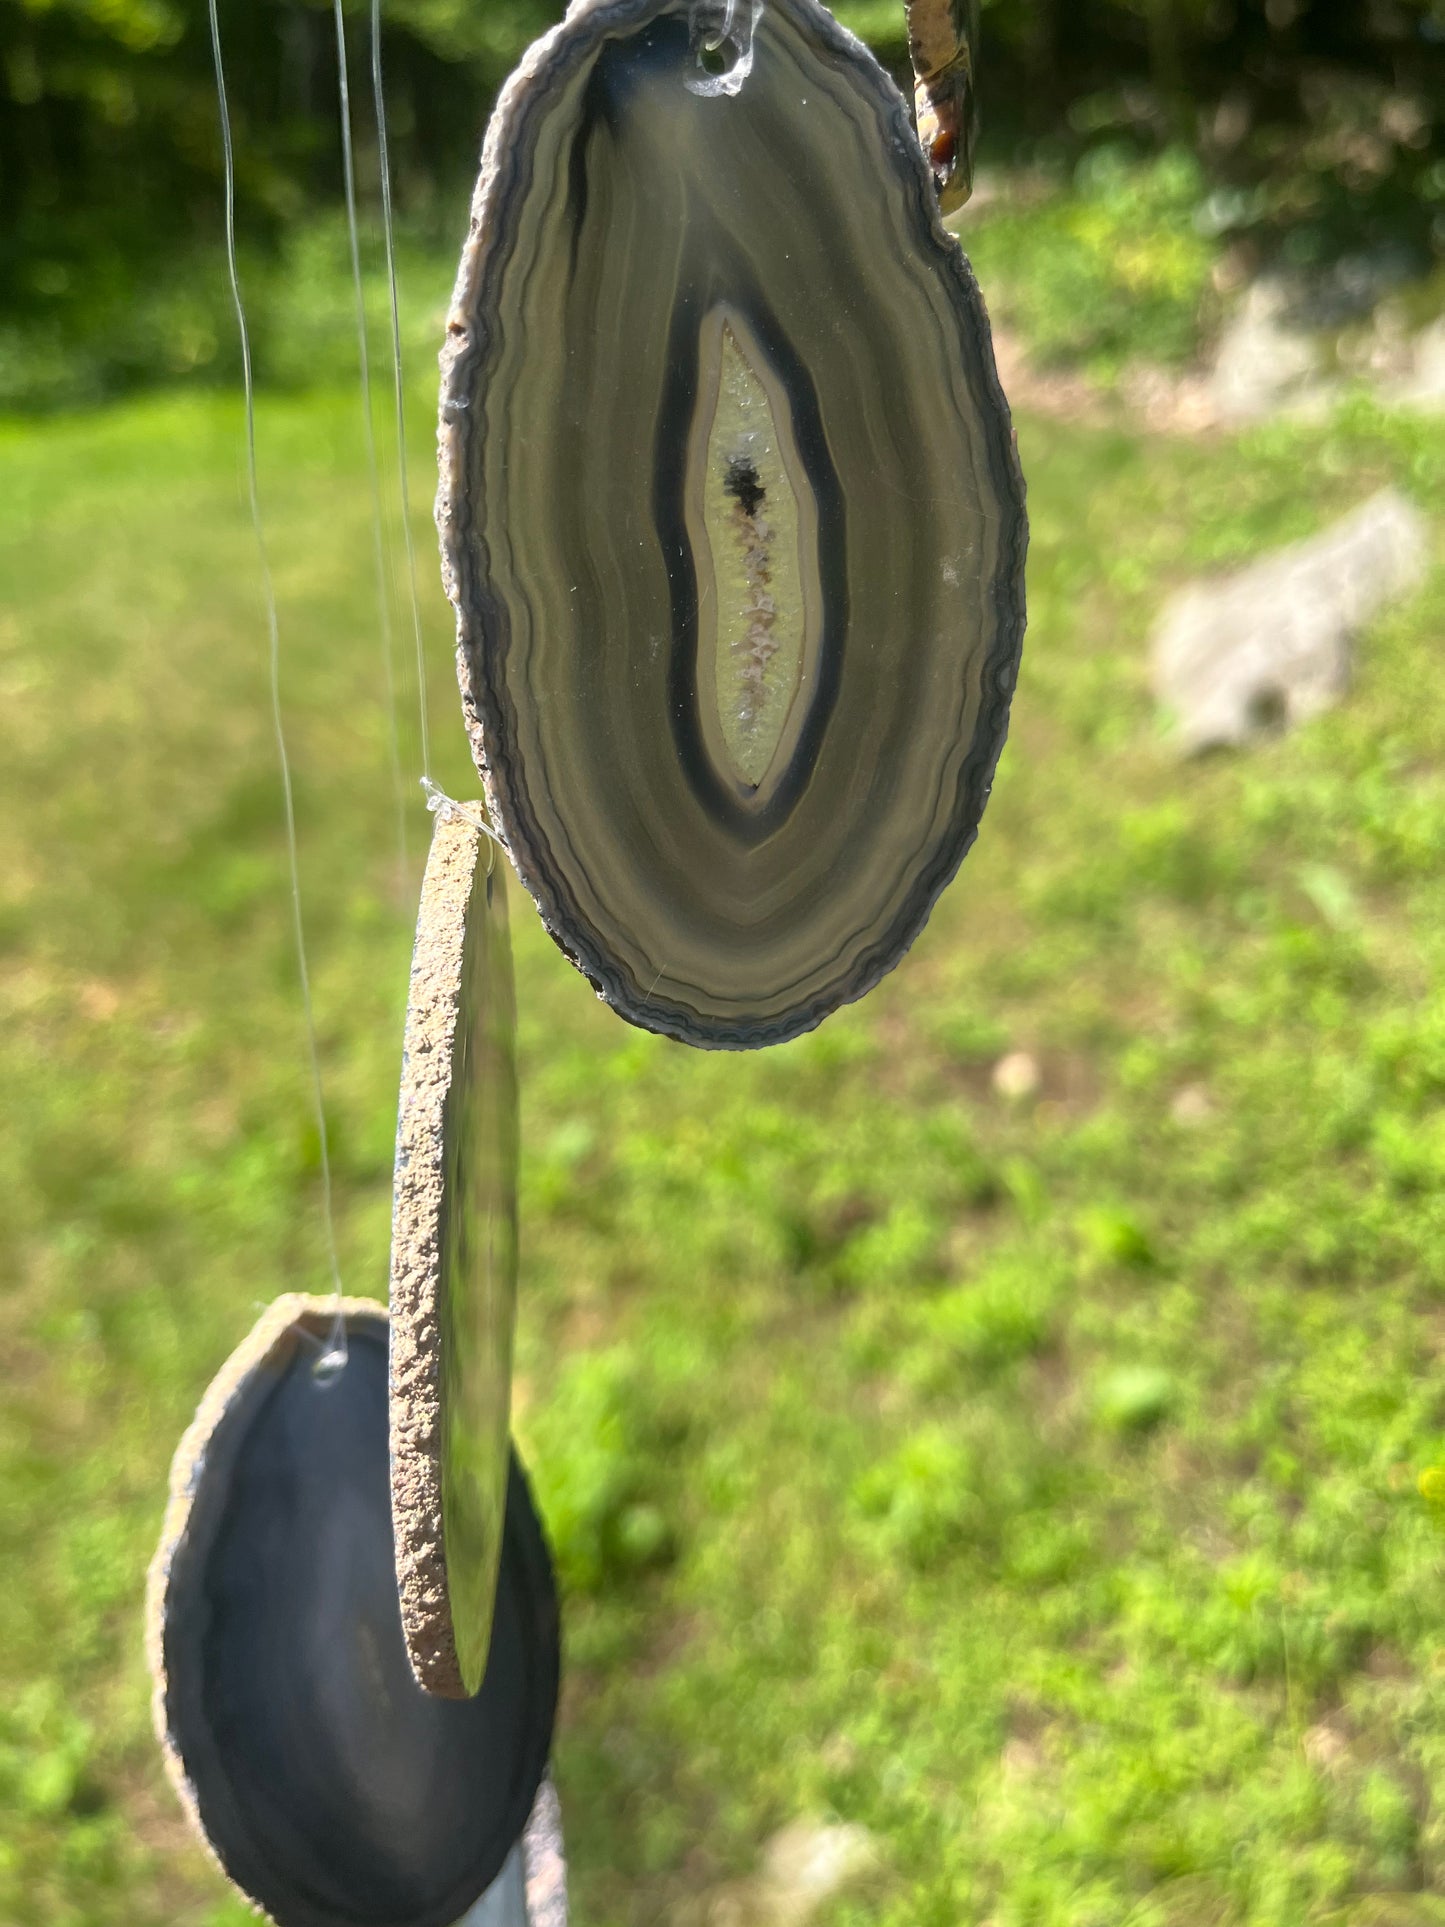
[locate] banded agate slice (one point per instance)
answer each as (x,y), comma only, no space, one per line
(730,513)
(333,1791)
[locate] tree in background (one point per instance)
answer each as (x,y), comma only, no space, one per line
(1318,123)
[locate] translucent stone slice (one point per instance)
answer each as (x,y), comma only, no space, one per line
(331,1789)
(730,512)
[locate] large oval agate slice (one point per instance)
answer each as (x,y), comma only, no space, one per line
(730,513)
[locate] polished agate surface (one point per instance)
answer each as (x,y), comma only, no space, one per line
(332,1789)
(730,513)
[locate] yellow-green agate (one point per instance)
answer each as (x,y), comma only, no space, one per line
(730,512)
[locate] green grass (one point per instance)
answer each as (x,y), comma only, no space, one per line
(1053,1486)
(1108,268)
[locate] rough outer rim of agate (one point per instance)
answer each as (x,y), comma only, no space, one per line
(490,719)
(263,1341)
(414,1363)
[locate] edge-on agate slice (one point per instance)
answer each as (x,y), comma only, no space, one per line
(531,1890)
(331,1789)
(730,512)
(454,1260)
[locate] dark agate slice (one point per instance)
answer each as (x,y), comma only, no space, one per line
(454,1260)
(331,1788)
(730,512)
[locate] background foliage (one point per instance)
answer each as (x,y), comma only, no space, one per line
(1315,126)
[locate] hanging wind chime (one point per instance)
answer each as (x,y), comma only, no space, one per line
(733,524)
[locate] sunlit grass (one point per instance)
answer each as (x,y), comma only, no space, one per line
(1049,1485)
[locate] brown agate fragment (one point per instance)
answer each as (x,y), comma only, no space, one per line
(943,46)
(730,512)
(454,1260)
(329,1787)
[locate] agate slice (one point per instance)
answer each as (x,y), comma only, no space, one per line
(454,1260)
(331,1789)
(531,1890)
(730,512)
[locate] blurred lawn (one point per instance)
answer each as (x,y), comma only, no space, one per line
(1056,1488)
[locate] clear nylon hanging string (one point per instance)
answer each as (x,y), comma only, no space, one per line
(335,1355)
(378,539)
(714,42)
(398,384)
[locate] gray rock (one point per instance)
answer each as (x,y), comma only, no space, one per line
(1269,646)
(1351,287)
(806,1864)
(803,1867)
(1016,1076)
(1265,360)
(1423,387)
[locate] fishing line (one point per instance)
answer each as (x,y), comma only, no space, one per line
(388,227)
(335,1355)
(447,809)
(378,540)
(714,43)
